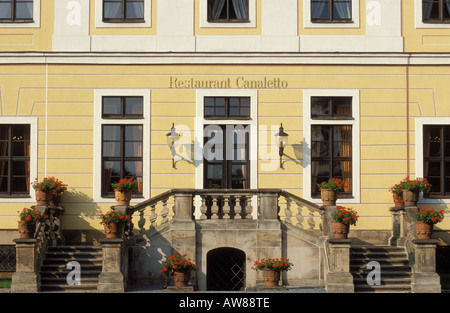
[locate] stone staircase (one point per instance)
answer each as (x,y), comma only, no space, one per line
(54,268)
(395,270)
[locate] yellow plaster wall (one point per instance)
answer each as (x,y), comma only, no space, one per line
(70,125)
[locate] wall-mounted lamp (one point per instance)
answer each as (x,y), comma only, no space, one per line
(172,137)
(282,142)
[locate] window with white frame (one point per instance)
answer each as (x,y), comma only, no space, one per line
(328,13)
(121,135)
(227,13)
(18,157)
(20,13)
(123,13)
(331,137)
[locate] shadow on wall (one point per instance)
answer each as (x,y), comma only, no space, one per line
(80,213)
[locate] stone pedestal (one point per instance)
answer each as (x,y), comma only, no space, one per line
(26,278)
(111,278)
(425,279)
(339,279)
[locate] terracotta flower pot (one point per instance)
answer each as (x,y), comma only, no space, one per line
(181,279)
(42,197)
(26,230)
(328,196)
(271,277)
(123,197)
(398,202)
(113,230)
(340,230)
(410,197)
(424,230)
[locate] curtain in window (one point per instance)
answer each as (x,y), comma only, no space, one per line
(240,8)
(27,141)
(112,9)
(217,8)
(426,10)
(341,10)
(319,10)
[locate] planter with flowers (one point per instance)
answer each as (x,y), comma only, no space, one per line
(397,195)
(124,190)
(49,191)
(342,218)
(178,267)
(329,190)
(411,189)
(272,269)
(113,223)
(28,219)
(425,218)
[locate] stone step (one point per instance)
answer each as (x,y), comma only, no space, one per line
(54,270)
(383,288)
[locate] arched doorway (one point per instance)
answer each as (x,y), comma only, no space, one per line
(225,269)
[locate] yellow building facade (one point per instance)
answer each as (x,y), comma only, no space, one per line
(290,62)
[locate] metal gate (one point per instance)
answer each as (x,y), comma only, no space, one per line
(225,269)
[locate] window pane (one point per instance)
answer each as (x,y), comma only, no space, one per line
(24,10)
(112,9)
(3,176)
(320,107)
(215,171)
(112,105)
(320,10)
(111,169)
(19,184)
(342,106)
(111,132)
(133,149)
(135,9)
(5,9)
(133,168)
(320,149)
(238,171)
(134,106)
(133,133)
(20,168)
(111,149)
(341,10)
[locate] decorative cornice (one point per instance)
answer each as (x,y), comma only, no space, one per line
(243,58)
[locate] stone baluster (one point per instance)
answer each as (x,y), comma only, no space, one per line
(299,215)
(214,208)
(164,212)
(153,215)
(311,221)
(248,207)
(203,208)
(226,207)
(288,212)
(141,222)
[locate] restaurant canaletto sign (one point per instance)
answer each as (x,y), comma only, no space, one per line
(239,82)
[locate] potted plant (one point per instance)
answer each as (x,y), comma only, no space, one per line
(342,218)
(397,195)
(113,223)
(28,219)
(124,190)
(179,268)
(48,191)
(272,269)
(425,218)
(411,189)
(329,190)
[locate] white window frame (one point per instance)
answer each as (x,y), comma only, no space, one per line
(419,123)
(419,20)
(201,121)
(33,122)
(99,17)
(99,122)
(36,23)
(307,23)
(354,122)
(204,17)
